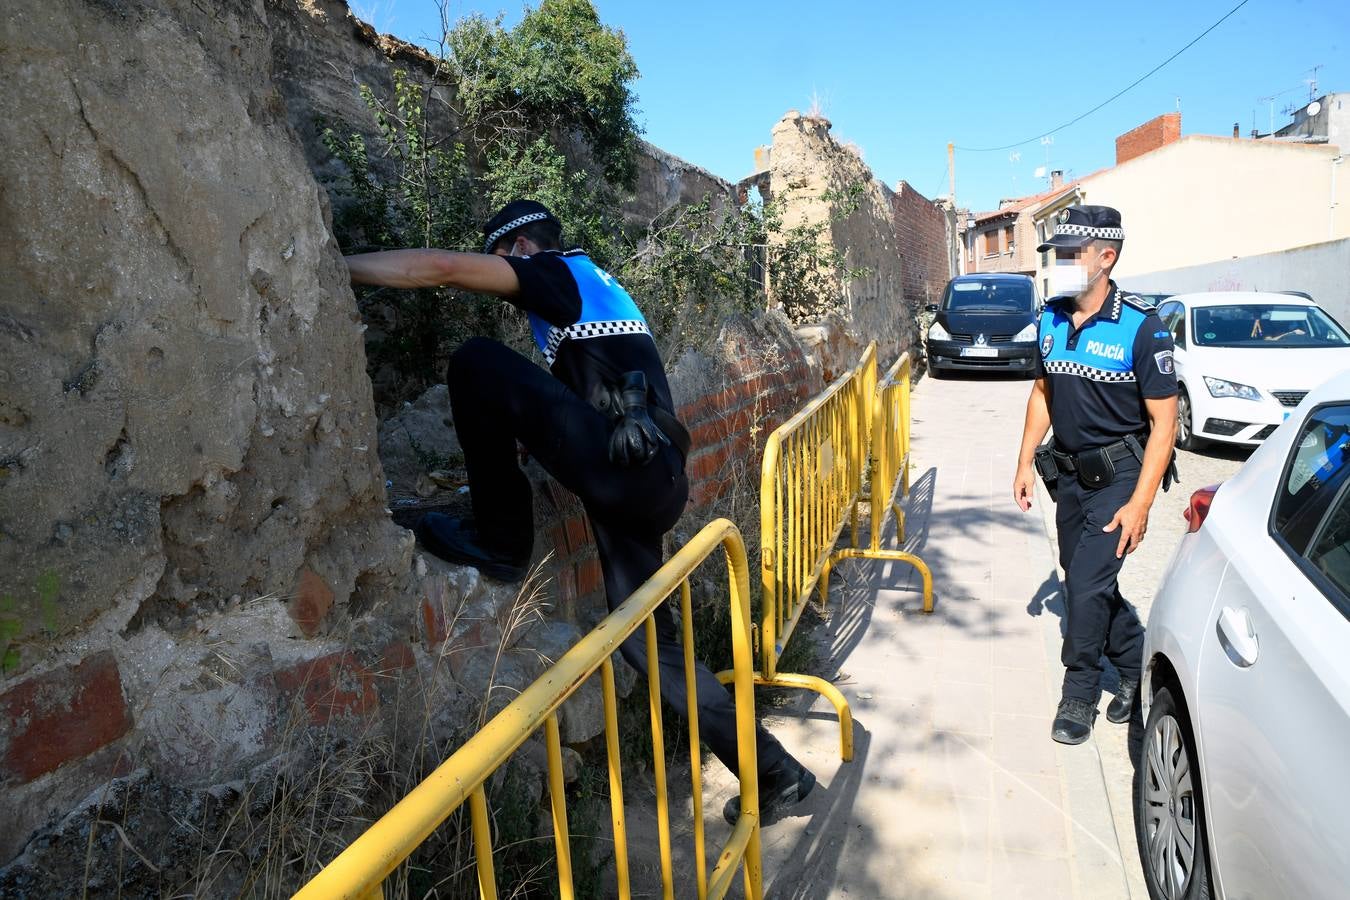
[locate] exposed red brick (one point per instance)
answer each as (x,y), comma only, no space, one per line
(578,533)
(557,538)
(61,716)
(921,240)
(590,577)
(398,655)
(1155,133)
(708,462)
(313,600)
(329,687)
(567,585)
(434,606)
(706,492)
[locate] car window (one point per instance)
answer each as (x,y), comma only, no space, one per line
(1317,470)
(1330,549)
(1003,296)
(1268,326)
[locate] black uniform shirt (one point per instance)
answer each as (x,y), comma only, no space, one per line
(549,290)
(1099,374)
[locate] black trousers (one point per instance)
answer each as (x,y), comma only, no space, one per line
(499,397)
(1099,621)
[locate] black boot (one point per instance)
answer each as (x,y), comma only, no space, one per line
(778,790)
(1073,721)
(1122,705)
(457,541)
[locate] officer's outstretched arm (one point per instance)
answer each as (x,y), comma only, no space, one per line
(479,272)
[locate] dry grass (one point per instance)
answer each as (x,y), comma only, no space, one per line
(267,835)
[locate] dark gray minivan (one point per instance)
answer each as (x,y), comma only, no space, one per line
(984,323)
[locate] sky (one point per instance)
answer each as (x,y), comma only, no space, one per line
(901,79)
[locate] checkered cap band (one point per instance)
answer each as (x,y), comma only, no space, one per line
(584,330)
(1103,234)
(511,226)
(1064,367)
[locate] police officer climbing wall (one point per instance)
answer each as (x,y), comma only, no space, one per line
(1105,384)
(600,420)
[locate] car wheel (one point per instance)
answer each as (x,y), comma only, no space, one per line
(1186,438)
(1169,808)
(936,373)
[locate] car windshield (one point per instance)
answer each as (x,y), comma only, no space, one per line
(1266,325)
(992,296)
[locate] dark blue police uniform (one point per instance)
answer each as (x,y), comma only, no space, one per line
(1098,376)
(592,337)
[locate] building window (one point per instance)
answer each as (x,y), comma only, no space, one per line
(991,242)
(1009,241)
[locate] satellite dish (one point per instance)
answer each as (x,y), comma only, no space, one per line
(1314,108)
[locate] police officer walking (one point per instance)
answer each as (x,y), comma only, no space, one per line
(600,420)
(1106,384)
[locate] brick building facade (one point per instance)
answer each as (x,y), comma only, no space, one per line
(924,233)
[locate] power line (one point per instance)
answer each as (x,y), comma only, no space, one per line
(1114,96)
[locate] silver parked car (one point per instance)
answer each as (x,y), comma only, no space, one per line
(1243,787)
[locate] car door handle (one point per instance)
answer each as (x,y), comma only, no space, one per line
(1237,635)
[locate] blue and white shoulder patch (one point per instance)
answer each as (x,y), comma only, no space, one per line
(1142,304)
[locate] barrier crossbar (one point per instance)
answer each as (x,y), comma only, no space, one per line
(359,871)
(890,471)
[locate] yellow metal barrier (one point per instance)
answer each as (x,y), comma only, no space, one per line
(811,484)
(359,871)
(890,469)
(810,481)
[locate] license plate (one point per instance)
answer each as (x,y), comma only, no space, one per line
(988,352)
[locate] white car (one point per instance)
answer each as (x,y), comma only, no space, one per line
(1245,359)
(1243,784)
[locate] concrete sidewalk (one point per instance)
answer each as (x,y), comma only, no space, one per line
(956,789)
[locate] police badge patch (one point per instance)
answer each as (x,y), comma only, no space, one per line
(1164,361)
(1047,342)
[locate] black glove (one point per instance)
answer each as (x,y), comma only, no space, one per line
(636,439)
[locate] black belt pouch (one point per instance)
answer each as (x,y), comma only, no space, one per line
(1095,468)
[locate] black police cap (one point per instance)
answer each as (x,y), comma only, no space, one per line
(514,215)
(1077,225)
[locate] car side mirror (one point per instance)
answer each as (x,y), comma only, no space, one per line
(931,307)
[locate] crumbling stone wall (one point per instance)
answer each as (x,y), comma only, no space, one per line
(202,593)
(806,166)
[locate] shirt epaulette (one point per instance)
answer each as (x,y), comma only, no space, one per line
(1143,304)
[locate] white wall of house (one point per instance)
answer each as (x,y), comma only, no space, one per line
(1322,270)
(1205,199)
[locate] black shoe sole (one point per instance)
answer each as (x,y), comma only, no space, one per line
(769,813)
(497,570)
(1065,739)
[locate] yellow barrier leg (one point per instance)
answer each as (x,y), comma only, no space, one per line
(659,761)
(825,582)
(482,844)
(695,758)
(820,686)
(615,779)
(897,556)
(558,804)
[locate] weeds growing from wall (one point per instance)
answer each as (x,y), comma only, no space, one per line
(545,110)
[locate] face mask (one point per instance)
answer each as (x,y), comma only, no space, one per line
(1068,280)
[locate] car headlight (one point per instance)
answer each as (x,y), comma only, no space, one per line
(937,333)
(1026,335)
(1220,388)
